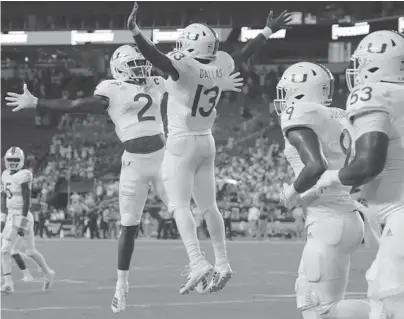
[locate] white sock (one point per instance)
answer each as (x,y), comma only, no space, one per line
(123,278)
(215,224)
(39,259)
(187,229)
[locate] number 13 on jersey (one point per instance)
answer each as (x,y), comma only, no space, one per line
(212,94)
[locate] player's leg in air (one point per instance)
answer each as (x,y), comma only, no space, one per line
(386,276)
(35,255)
(324,269)
(204,194)
(181,159)
(137,172)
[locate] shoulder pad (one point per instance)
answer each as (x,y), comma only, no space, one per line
(25,176)
(367,98)
(180,61)
(157,82)
(302,114)
(225,61)
(104,88)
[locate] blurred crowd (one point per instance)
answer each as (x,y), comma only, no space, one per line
(84,151)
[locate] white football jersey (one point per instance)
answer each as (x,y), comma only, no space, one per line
(192,101)
(386,191)
(11,185)
(134,109)
(335,136)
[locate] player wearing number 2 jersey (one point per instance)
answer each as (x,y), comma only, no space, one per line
(198,74)
(132,100)
(375,109)
(316,138)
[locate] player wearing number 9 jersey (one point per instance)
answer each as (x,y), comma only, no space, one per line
(198,74)
(375,109)
(132,100)
(318,137)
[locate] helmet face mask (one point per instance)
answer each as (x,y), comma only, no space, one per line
(198,41)
(14,158)
(379,57)
(128,64)
(305,82)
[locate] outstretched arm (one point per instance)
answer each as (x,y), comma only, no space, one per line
(95,104)
(148,49)
(271,26)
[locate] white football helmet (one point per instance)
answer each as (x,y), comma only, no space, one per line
(378,57)
(14,158)
(198,41)
(304,82)
(127,63)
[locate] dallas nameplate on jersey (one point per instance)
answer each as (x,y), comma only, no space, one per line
(134,109)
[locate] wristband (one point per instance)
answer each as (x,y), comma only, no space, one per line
(24,223)
(135,31)
(266,32)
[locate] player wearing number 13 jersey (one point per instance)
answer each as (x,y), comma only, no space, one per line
(198,73)
(375,108)
(317,137)
(132,100)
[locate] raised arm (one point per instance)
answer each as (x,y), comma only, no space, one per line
(148,49)
(271,26)
(96,104)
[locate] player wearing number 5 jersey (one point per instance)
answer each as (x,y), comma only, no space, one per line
(19,222)
(132,100)
(375,109)
(318,137)
(198,73)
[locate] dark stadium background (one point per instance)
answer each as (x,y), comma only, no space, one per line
(80,154)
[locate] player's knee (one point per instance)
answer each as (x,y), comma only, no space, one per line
(31,252)
(128,219)
(14,252)
(213,209)
(5,250)
(306,298)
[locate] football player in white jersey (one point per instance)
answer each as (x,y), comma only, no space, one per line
(316,138)
(375,109)
(19,226)
(132,100)
(198,73)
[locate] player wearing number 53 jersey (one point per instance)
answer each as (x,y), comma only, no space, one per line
(132,100)
(318,137)
(198,74)
(375,108)
(19,222)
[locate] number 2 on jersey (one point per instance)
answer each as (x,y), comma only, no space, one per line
(212,101)
(141,115)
